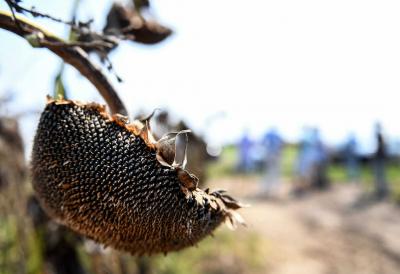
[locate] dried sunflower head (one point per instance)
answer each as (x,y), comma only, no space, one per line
(107,179)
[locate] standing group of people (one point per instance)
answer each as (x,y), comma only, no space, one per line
(312,161)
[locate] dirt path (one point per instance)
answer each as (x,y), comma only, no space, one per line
(335,231)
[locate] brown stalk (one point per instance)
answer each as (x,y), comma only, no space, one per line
(70,53)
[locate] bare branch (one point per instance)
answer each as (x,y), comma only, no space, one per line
(15,6)
(70,53)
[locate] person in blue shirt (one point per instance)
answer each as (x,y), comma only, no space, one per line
(245,145)
(351,160)
(273,144)
(311,162)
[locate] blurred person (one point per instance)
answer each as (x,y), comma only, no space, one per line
(320,162)
(257,156)
(245,146)
(351,159)
(379,162)
(311,163)
(303,162)
(273,144)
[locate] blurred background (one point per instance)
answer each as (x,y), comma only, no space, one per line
(294,110)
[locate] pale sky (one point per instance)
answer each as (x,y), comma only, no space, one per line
(286,63)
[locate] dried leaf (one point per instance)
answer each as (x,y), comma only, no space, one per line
(187,179)
(128,21)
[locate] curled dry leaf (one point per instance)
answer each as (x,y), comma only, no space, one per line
(128,22)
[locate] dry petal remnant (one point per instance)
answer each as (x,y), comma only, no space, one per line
(104,178)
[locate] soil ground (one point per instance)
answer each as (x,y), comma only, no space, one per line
(339,230)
